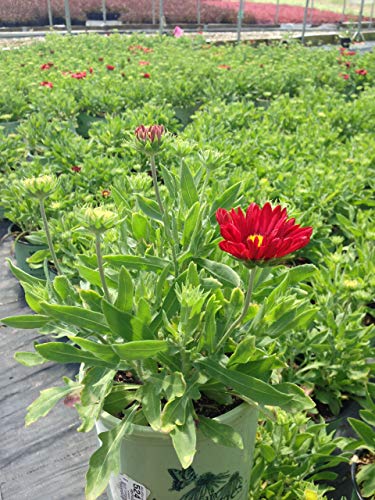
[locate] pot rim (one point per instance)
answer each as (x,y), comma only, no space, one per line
(353,472)
(147,431)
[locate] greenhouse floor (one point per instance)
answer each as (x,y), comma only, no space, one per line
(47,461)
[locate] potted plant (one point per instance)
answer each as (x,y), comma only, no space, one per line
(170,375)
(363,462)
(345,38)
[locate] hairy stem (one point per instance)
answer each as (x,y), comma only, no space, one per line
(246,305)
(100,266)
(48,235)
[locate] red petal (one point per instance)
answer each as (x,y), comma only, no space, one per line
(231,233)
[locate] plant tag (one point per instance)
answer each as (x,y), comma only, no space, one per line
(131,490)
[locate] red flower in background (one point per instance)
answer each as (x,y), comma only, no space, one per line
(144,63)
(110,67)
(345,76)
(146,75)
(150,133)
(47,84)
(75,168)
(80,75)
(46,66)
(362,72)
(261,234)
(224,66)
(91,71)
(106,193)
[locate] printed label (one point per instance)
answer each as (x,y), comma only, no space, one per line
(131,490)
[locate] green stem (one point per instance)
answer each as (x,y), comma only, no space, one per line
(246,305)
(155,182)
(48,235)
(163,212)
(101,267)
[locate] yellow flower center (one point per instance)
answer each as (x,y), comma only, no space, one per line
(253,236)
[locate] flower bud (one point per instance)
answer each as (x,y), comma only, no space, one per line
(41,186)
(149,138)
(98,219)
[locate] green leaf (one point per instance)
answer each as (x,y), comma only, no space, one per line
(245,385)
(227,199)
(184,439)
(149,397)
(65,289)
(120,397)
(243,352)
(24,277)
(368,416)
(267,452)
(140,349)
(46,401)
(190,223)
(77,316)
(101,351)
(146,263)
(140,226)
(364,431)
(124,301)
(188,188)
(26,321)
(119,321)
(97,383)
(65,353)
(174,413)
(222,272)
(300,400)
(208,335)
(149,207)
(366,478)
(220,433)
(93,277)
(169,181)
(29,358)
(106,460)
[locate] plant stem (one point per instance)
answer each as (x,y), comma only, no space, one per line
(100,266)
(48,235)
(163,212)
(246,305)
(155,182)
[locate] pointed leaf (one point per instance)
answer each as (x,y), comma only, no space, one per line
(45,402)
(77,316)
(106,460)
(184,440)
(146,263)
(188,188)
(26,321)
(220,433)
(140,349)
(29,358)
(65,353)
(124,301)
(222,272)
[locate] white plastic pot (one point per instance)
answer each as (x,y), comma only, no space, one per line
(150,468)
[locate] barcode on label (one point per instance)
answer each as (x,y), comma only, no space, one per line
(131,490)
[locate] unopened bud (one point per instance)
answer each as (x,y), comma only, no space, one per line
(98,219)
(41,186)
(149,138)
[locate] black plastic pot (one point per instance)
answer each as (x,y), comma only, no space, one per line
(345,41)
(353,470)
(98,16)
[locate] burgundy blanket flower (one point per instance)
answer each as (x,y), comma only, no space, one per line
(110,67)
(80,75)
(146,75)
(46,66)
(362,72)
(47,84)
(261,234)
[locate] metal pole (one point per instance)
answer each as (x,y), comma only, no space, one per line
(104,10)
(161,16)
(343,11)
(198,12)
(239,19)
(68,21)
(358,34)
(276,21)
(153,10)
(311,11)
(304,21)
(372,13)
(50,18)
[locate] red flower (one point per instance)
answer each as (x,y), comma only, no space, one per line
(47,84)
(110,67)
(46,66)
(106,193)
(144,63)
(76,168)
(150,133)
(345,76)
(146,75)
(80,75)
(224,66)
(348,64)
(362,72)
(100,59)
(91,70)
(261,234)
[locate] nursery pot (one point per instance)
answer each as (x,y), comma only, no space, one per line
(345,42)
(150,467)
(23,250)
(354,470)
